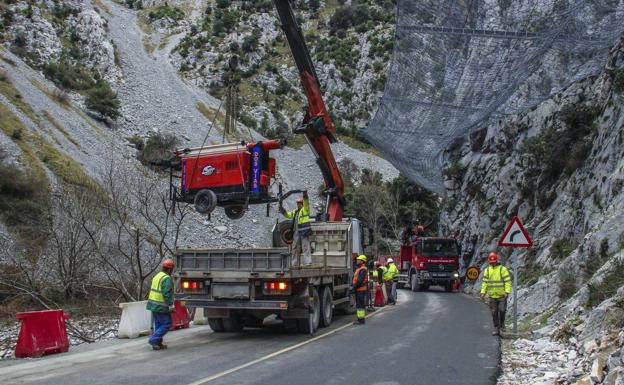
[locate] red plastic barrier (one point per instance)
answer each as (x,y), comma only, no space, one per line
(180,317)
(42,332)
(456,285)
(380,300)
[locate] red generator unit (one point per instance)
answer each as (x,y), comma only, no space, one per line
(231,175)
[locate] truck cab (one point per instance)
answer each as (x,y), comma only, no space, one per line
(429,261)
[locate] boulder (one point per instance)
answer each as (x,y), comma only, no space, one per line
(597,370)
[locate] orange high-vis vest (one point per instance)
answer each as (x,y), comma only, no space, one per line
(364,285)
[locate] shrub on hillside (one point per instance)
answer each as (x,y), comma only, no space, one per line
(607,287)
(68,75)
(157,147)
(173,13)
(23,201)
(103,100)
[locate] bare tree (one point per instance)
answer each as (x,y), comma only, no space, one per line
(142,227)
(76,222)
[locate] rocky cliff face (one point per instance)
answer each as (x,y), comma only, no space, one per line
(560,168)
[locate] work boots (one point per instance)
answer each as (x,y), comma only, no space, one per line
(496,332)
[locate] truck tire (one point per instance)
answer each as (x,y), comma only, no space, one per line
(205,201)
(291,326)
(216,324)
(327,306)
(283,235)
(414,285)
(232,324)
(448,287)
(235,212)
(304,323)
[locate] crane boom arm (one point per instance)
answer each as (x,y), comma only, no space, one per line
(317,127)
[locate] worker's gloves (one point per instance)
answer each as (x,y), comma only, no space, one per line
(282,210)
(171,308)
(482,297)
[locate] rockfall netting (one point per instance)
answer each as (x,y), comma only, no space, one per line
(459,63)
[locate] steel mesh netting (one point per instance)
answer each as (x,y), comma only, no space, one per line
(459,63)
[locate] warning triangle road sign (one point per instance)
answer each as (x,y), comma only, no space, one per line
(515,235)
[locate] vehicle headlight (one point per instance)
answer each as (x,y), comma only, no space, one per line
(455,275)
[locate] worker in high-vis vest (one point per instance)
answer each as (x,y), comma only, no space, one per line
(391,278)
(160,303)
(497,286)
(360,285)
(302,229)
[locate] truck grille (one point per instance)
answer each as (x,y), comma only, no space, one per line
(440,267)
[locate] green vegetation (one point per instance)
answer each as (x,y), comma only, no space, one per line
(69,75)
(561,248)
(173,13)
(103,100)
(455,171)
(342,48)
(558,151)
(388,207)
(608,286)
(137,141)
(157,147)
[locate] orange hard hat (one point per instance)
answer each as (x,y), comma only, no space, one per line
(300,200)
(168,263)
(492,258)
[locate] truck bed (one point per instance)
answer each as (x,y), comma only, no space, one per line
(252,263)
(331,254)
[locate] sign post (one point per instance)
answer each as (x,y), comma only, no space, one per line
(515,236)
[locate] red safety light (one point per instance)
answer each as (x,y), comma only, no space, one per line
(276,287)
(192,285)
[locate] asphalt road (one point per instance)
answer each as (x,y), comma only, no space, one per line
(428,338)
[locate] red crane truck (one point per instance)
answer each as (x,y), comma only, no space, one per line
(429,261)
(239,287)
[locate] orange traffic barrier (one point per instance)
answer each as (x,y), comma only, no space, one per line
(180,317)
(42,332)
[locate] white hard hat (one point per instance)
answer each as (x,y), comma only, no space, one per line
(390,260)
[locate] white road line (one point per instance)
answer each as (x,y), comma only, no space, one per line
(279,352)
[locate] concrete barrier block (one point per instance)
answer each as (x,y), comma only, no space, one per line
(200,317)
(135,321)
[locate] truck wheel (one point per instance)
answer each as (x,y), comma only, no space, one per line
(283,235)
(414,283)
(216,324)
(232,324)
(235,212)
(304,323)
(327,307)
(291,326)
(205,201)
(448,287)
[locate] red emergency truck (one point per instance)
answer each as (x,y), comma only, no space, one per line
(429,261)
